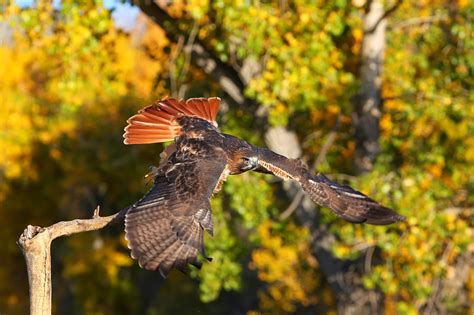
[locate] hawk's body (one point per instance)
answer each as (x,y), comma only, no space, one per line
(165,228)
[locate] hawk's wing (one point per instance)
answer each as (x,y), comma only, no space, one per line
(346,202)
(165,228)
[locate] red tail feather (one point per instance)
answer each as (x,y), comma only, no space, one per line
(157,122)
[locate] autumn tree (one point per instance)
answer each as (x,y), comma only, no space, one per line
(295,77)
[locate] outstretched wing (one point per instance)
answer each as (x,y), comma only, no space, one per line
(346,202)
(165,228)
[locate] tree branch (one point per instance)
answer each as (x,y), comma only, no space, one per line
(368,103)
(383,16)
(422,20)
(35,243)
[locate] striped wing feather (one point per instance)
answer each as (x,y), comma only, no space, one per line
(165,229)
(348,203)
(343,200)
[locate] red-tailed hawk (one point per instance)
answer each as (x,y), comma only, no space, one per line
(165,228)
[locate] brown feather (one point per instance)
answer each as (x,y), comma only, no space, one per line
(165,229)
(343,200)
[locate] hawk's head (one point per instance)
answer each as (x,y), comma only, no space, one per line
(243,160)
(248,163)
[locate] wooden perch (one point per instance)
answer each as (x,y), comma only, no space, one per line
(35,243)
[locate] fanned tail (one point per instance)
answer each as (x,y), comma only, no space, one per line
(158,122)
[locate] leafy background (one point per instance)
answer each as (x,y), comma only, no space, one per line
(73,71)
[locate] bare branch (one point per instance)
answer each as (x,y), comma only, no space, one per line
(368,102)
(188,50)
(384,16)
(35,243)
(293,205)
(437,282)
(417,21)
(172,65)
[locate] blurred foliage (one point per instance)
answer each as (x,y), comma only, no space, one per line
(72,78)
(284,261)
(426,168)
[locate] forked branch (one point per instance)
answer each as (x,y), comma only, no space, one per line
(35,243)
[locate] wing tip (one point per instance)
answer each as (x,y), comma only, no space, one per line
(350,204)
(386,219)
(400,217)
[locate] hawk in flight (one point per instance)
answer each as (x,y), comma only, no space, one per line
(165,228)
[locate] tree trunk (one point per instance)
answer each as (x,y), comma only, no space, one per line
(35,243)
(356,299)
(368,104)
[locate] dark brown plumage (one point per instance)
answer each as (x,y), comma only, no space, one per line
(165,228)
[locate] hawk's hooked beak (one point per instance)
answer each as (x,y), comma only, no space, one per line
(252,163)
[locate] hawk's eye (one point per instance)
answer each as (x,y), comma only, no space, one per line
(248,163)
